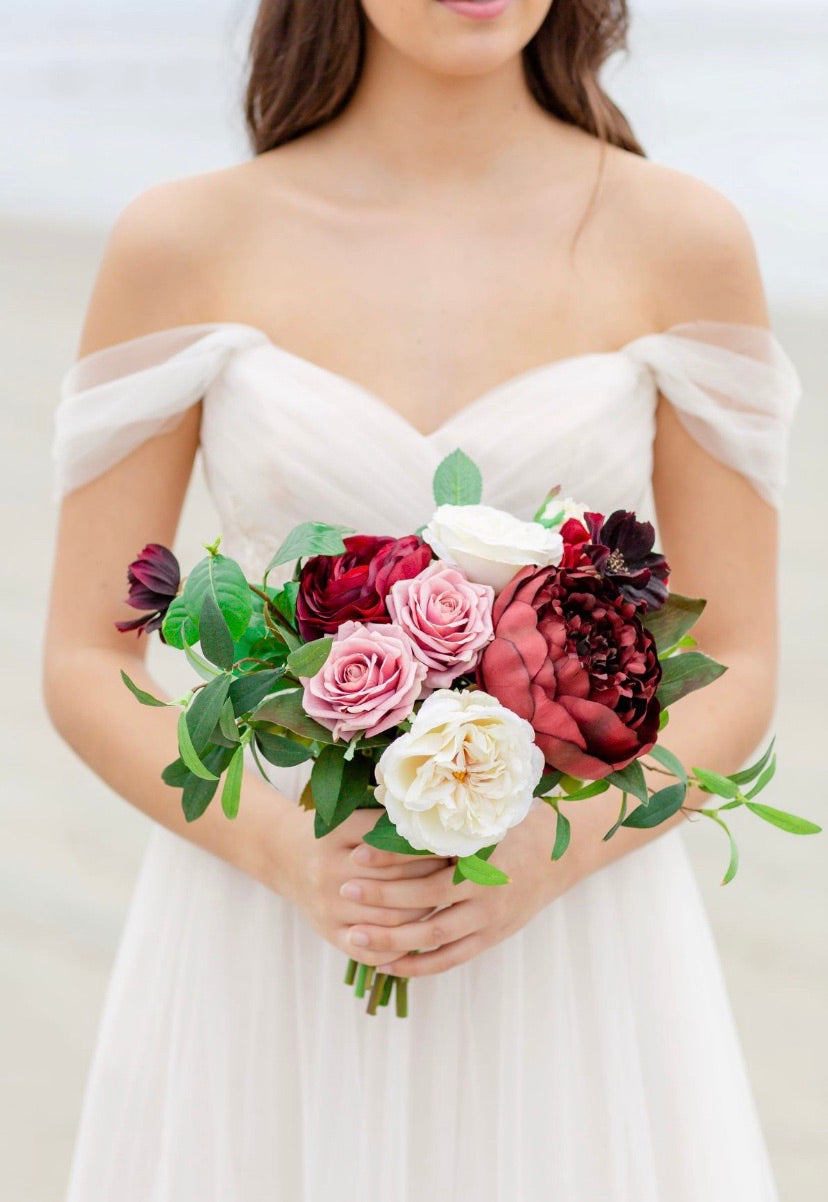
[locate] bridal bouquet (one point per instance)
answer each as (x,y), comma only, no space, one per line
(451,678)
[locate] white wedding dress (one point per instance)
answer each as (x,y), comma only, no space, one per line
(590,1057)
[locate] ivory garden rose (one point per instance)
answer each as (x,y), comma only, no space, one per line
(489,544)
(447,617)
(368,683)
(462,775)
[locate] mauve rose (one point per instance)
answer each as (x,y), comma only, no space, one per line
(368,683)
(571,656)
(354,584)
(447,618)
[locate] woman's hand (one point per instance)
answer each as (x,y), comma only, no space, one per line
(473,917)
(312,872)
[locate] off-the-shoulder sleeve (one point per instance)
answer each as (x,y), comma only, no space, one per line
(734,389)
(114,399)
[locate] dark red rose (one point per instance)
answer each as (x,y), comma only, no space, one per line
(334,588)
(153,578)
(575,535)
(571,656)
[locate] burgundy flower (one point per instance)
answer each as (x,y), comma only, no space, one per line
(621,548)
(153,578)
(571,656)
(353,585)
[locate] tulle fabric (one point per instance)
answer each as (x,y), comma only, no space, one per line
(591,1056)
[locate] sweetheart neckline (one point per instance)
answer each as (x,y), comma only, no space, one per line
(394,414)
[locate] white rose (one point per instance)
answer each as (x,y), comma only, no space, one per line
(462,775)
(566,509)
(490,544)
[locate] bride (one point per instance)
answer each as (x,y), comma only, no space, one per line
(447,236)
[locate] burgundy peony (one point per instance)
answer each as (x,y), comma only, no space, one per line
(153,578)
(353,585)
(571,656)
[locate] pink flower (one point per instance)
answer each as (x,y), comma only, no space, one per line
(447,617)
(368,683)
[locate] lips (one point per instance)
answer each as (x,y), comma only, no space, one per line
(477,10)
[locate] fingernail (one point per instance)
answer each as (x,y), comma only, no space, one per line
(351,890)
(360,854)
(359,938)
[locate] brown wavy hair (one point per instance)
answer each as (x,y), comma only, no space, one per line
(306,57)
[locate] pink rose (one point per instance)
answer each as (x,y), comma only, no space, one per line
(368,683)
(447,618)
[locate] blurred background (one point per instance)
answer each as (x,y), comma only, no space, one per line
(101,99)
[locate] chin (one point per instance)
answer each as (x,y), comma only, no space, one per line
(457,37)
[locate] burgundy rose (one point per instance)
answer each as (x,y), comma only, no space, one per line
(571,656)
(353,586)
(153,578)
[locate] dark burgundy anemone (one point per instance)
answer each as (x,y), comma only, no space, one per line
(153,578)
(621,548)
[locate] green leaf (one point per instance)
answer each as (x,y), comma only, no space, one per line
(670,623)
(385,836)
(214,634)
(622,814)
(326,780)
(200,665)
(285,600)
(782,819)
(563,831)
(205,711)
(188,752)
(664,718)
(549,781)
(765,777)
(669,761)
(143,697)
(591,790)
(457,480)
(309,538)
(178,628)
(356,790)
(310,657)
(473,868)
(663,805)
(282,752)
(197,793)
(285,709)
(733,863)
(227,723)
(631,780)
(684,673)
(176,774)
(248,691)
(714,782)
(226,583)
(231,790)
(748,774)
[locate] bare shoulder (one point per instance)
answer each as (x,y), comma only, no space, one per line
(693,243)
(158,264)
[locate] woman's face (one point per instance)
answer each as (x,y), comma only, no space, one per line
(457,37)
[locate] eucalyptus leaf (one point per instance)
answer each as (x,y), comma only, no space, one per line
(178,628)
(356,790)
(670,623)
(631,780)
(791,823)
(714,782)
(231,789)
(684,673)
(198,793)
(326,780)
(309,538)
(205,711)
(188,752)
(669,761)
(310,657)
(176,774)
(227,723)
(663,805)
(226,583)
(284,753)
(563,831)
(457,480)
(385,836)
(248,691)
(214,633)
(285,709)
(765,777)
(144,697)
(748,774)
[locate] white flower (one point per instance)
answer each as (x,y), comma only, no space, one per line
(490,544)
(566,509)
(462,775)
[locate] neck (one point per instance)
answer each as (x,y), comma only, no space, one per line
(418,124)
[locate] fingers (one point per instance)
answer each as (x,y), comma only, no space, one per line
(365,857)
(352,914)
(401,893)
(445,957)
(376,944)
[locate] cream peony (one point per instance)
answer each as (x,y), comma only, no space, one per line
(489,544)
(462,775)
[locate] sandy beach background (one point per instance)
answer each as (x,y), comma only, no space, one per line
(70,849)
